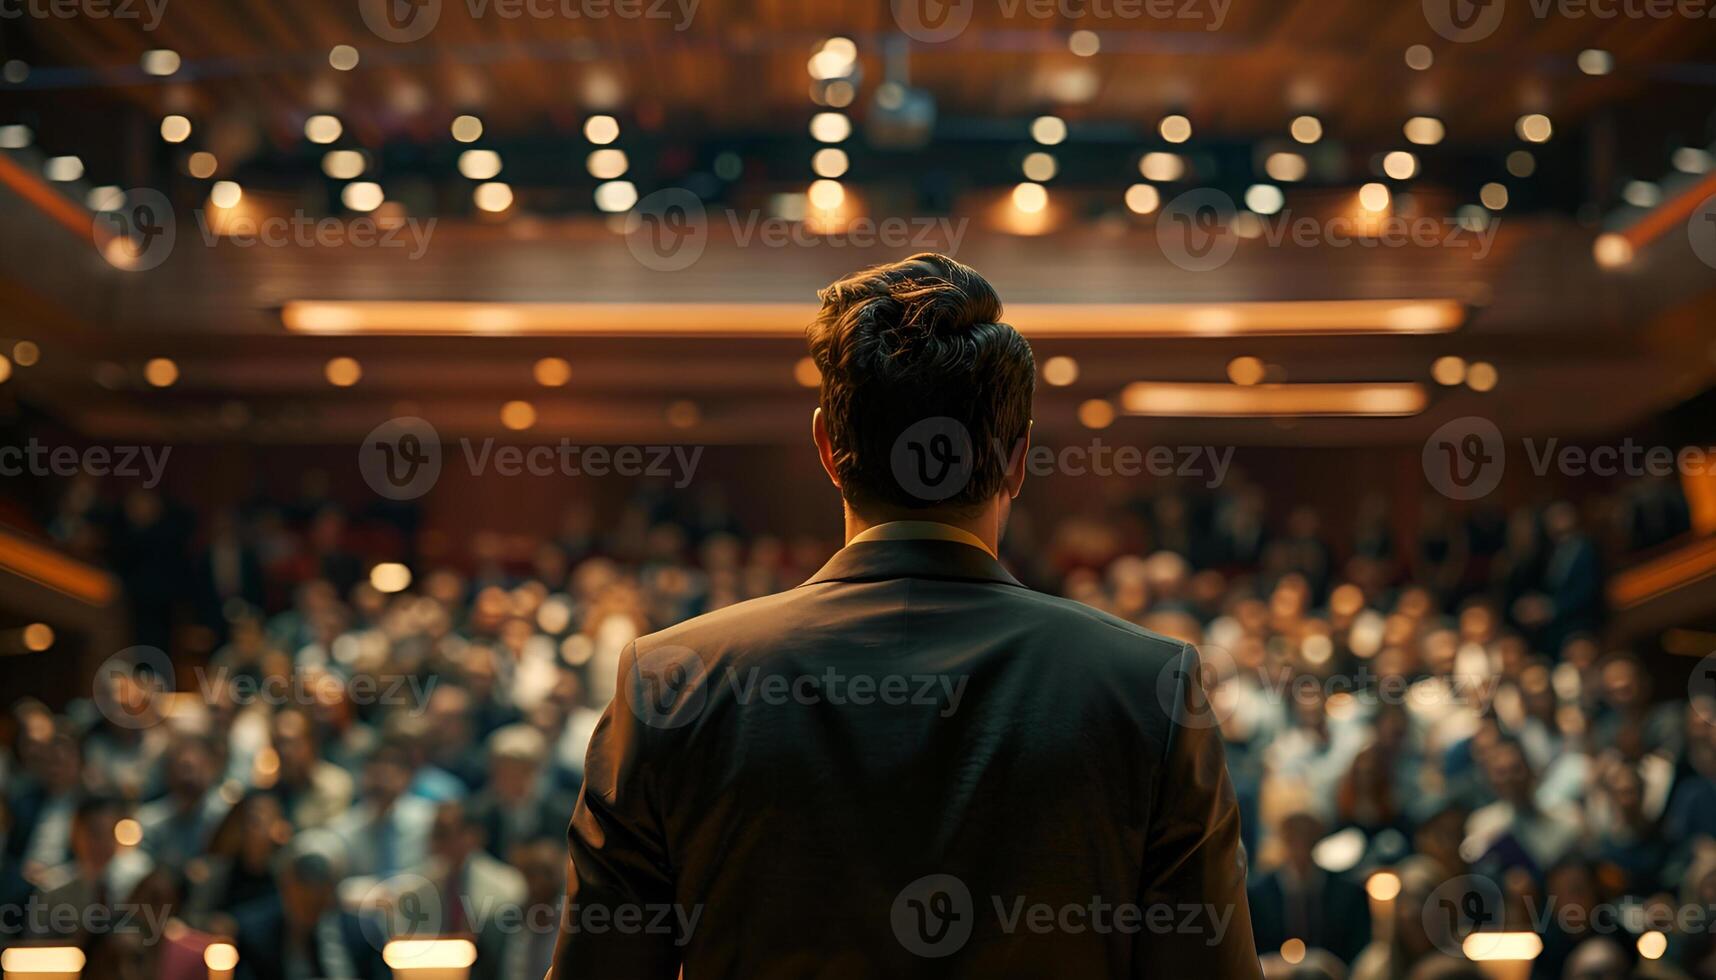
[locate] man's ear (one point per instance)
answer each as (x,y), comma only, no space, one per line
(824,447)
(1016,463)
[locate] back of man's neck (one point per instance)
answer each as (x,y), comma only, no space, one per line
(985,525)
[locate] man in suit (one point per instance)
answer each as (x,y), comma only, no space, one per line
(911,765)
(1299,900)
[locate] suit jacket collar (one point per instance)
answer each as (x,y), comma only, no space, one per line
(869,561)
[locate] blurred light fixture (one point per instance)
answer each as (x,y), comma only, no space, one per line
(1384,886)
(42,961)
(1307,129)
(26,353)
(221,959)
(1424,130)
(451,957)
(1612,250)
(1039,166)
(467,128)
(1534,128)
(1246,371)
(616,196)
(480,164)
(1030,198)
(1285,167)
(1596,61)
(1096,413)
(1084,43)
(518,415)
(1520,163)
(343,164)
(1049,130)
(342,57)
(225,194)
(160,62)
(322,128)
(786,319)
(601,130)
(683,414)
(1400,165)
(5,368)
(552,372)
(1448,370)
(1142,199)
(1419,58)
(1175,129)
(160,372)
(1482,376)
(606,164)
(38,637)
(1483,946)
(830,127)
(826,195)
(830,162)
(343,372)
(1374,197)
(362,195)
(1641,194)
(1652,945)
(1060,371)
(1212,400)
(1293,951)
(492,196)
(15,137)
(105,198)
(63,169)
(805,372)
(390,577)
(1264,198)
(1693,160)
(1162,167)
(175,129)
(836,59)
(1493,195)
(202,165)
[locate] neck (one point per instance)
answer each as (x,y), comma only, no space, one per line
(985,524)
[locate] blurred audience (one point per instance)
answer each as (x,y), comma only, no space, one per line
(1408,700)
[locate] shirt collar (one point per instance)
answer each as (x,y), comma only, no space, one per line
(919,531)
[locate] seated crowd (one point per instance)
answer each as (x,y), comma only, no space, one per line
(1405,712)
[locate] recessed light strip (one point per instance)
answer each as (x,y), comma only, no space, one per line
(1070,320)
(1175,399)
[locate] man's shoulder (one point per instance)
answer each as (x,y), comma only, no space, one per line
(1076,628)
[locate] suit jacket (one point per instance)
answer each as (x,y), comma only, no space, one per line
(909,766)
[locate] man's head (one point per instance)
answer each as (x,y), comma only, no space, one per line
(903,349)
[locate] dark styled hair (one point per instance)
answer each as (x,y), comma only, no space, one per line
(915,351)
